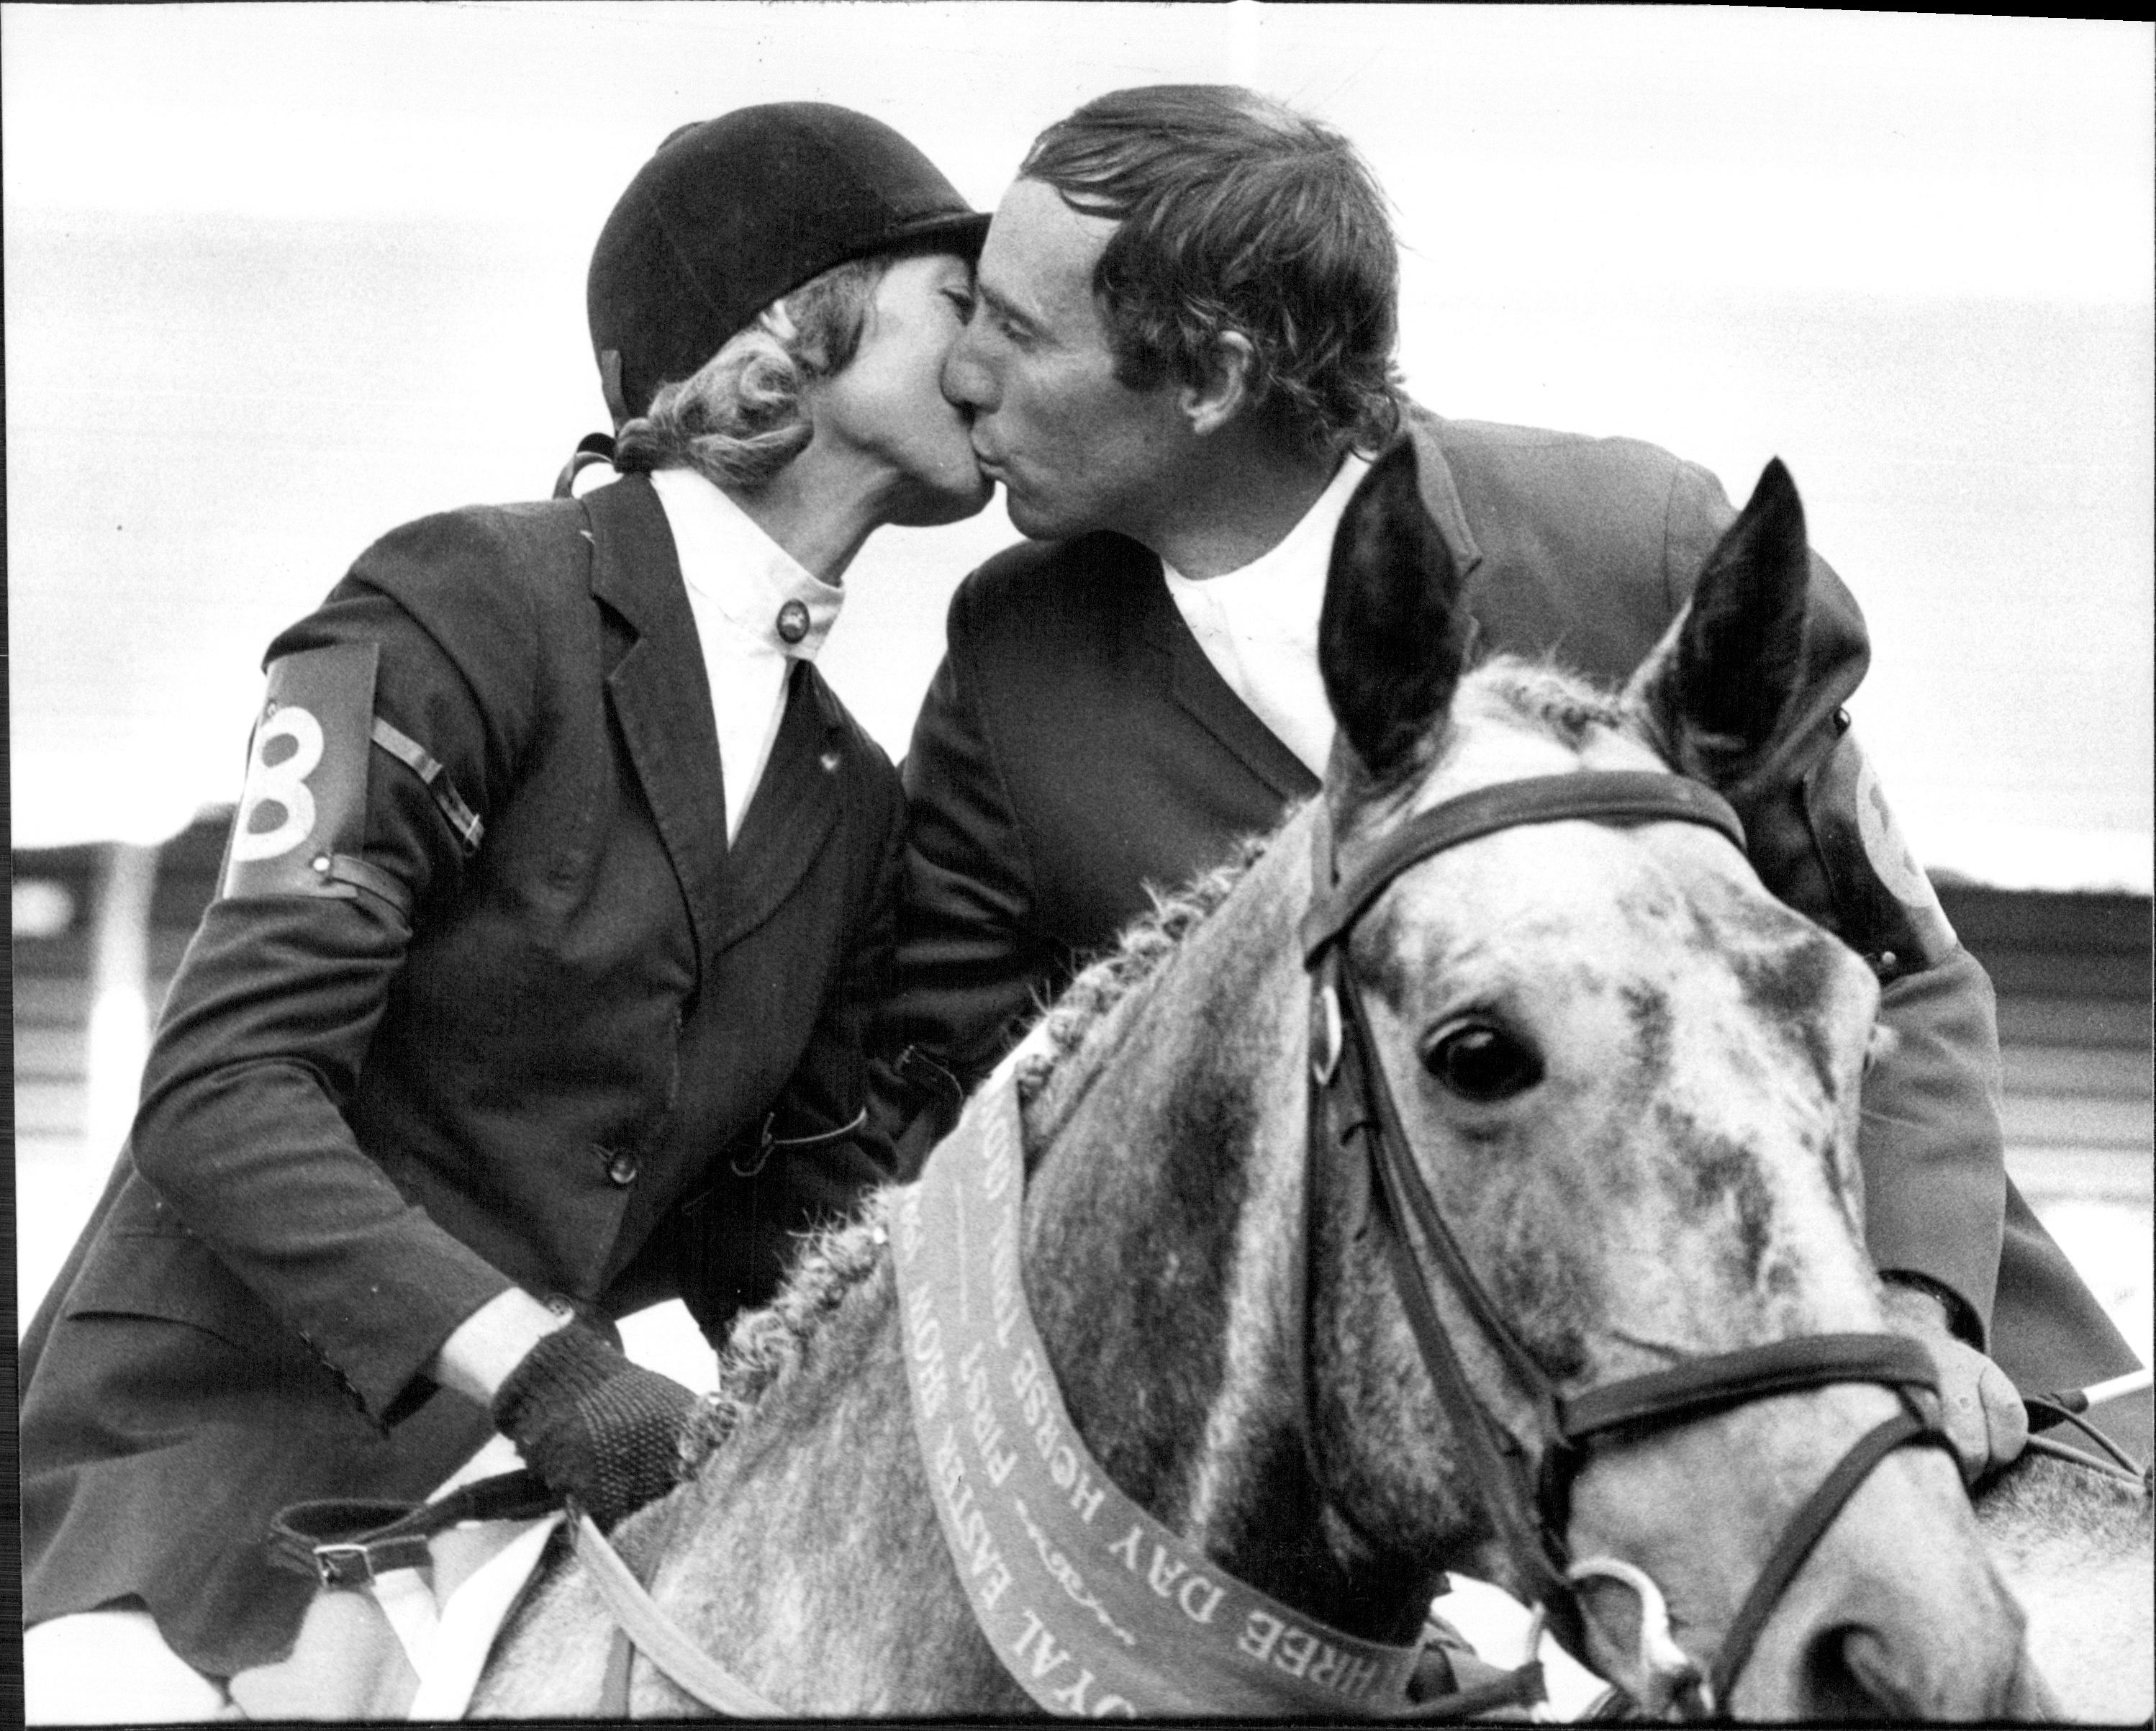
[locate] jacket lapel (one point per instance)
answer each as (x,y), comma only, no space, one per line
(1197,688)
(797,803)
(661,697)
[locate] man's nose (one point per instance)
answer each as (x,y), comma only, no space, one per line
(966,381)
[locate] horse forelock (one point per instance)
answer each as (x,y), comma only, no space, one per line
(1569,706)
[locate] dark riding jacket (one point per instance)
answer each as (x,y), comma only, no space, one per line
(529,1021)
(1077,745)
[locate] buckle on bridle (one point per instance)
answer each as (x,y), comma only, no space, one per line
(345,1564)
(1325,1053)
(1675,1679)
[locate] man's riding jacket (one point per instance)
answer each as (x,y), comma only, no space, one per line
(1077,745)
(486,999)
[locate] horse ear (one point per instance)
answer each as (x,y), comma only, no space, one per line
(1393,637)
(1715,689)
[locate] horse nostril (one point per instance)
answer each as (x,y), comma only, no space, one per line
(1849,1675)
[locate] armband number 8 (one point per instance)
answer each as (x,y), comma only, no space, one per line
(277,783)
(303,811)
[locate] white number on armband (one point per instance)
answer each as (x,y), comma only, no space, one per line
(279,779)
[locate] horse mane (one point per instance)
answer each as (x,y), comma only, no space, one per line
(2101,1515)
(1139,952)
(764,1343)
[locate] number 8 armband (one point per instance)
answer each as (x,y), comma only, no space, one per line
(302,816)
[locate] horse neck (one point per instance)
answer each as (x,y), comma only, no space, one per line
(1164,1232)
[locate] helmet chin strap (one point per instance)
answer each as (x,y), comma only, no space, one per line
(593,450)
(610,386)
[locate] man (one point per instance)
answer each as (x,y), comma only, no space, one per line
(534,989)
(1179,358)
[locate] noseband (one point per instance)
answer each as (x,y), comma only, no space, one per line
(1350,1099)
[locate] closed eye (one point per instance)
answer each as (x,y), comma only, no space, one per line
(1006,321)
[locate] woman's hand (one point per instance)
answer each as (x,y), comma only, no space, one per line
(596,1427)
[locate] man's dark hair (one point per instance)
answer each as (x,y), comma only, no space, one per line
(1237,213)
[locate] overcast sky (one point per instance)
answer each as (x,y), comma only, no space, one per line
(280,277)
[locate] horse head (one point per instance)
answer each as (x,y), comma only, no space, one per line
(1629,1078)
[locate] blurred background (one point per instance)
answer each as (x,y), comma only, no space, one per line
(280,277)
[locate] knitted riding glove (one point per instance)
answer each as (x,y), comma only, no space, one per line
(595,1427)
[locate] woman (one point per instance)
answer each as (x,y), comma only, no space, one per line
(532,994)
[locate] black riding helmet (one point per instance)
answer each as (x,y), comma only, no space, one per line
(731,214)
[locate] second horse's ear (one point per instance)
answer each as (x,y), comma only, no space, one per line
(1715,689)
(1393,638)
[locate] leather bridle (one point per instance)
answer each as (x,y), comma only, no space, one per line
(1350,1102)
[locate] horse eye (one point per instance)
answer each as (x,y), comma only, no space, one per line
(1483,1064)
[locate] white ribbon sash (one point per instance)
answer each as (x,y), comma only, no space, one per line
(1094,1607)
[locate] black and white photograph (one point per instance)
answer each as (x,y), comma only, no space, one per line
(950,859)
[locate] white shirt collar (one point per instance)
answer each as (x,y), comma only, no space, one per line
(731,565)
(1258,625)
(1292,573)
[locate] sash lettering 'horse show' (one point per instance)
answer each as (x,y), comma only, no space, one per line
(1626,1077)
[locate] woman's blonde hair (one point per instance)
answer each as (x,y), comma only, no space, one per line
(740,418)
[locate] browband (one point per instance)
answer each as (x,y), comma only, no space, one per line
(1607,796)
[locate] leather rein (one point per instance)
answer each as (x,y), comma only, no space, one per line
(1351,1103)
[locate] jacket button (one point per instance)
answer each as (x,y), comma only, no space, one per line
(622,1169)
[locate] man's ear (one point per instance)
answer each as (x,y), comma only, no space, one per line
(1228,388)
